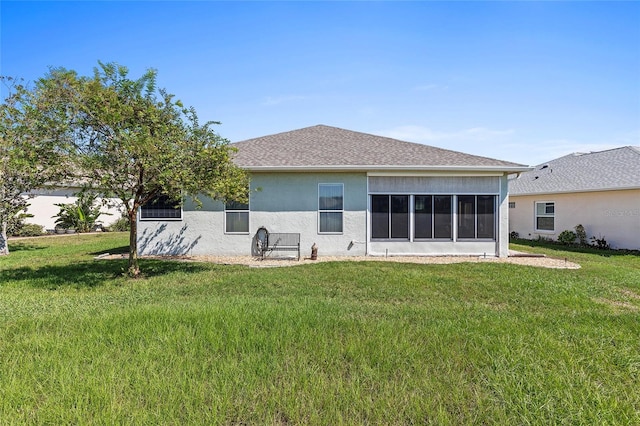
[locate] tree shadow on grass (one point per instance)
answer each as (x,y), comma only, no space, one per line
(94,273)
(15,246)
(114,250)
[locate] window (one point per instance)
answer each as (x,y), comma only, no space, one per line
(476,216)
(512,204)
(466,216)
(432,216)
(545,216)
(161,207)
(236,217)
(390,216)
(330,207)
(380,216)
(486,217)
(442,220)
(423,216)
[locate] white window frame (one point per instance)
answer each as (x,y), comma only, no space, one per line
(341,211)
(536,215)
(247,211)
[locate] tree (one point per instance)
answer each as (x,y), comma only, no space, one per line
(31,148)
(135,143)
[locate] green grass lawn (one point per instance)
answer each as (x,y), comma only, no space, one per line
(328,343)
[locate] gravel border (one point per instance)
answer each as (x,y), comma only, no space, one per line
(516,258)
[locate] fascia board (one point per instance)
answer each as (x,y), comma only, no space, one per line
(387,169)
(577,191)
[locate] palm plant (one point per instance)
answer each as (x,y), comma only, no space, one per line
(81,215)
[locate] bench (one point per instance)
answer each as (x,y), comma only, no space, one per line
(278,241)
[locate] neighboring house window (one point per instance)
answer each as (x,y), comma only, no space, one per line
(545,216)
(330,208)
(161,208)
(432,217)
(236,217)
(476,216)
(390,216)
(512,204)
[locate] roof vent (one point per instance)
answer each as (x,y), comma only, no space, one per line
(544,167)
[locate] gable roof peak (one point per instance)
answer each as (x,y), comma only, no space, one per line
(331,148)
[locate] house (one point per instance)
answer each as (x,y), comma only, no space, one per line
(599,190)
(350,193)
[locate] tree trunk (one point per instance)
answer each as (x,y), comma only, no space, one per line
(4,243)
(134,268)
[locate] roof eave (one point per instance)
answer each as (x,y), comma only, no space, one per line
(575,191)
(385,168)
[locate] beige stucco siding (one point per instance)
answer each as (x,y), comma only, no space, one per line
(614,215)
(42,205)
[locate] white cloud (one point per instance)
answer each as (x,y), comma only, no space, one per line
(426,135)
(505,144)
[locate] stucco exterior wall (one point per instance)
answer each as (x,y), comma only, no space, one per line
(43,207)
(280,202)
(614,215)
(288,202)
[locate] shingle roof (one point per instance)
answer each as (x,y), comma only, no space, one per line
(580,172)
(326,148)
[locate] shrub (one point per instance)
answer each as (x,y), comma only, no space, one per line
(16,227)
(582,235)
(567,237)
(81,215)
(600,243)
(29,230)
(514,235)
(120,225)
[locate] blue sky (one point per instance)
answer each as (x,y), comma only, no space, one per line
(519,81)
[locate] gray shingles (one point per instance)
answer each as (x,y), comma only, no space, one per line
(604,170)
(325,147)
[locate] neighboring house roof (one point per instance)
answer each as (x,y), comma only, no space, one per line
(613,169)
(329,148)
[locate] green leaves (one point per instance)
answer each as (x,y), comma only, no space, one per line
(132,141)
(31,146)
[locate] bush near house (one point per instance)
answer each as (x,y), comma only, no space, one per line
(16,227)
(82,215)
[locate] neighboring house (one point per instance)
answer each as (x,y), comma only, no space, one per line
(599,190)
(42,205)
(352,194)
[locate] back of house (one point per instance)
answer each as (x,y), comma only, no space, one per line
(351,194)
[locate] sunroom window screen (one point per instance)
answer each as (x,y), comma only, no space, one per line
(390,216)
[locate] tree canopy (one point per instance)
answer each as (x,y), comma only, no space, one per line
(135,142)
(32,146)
